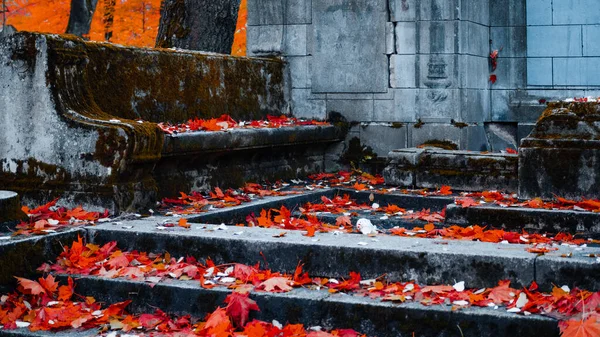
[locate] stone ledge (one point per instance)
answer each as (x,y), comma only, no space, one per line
(461,170)
(247,139)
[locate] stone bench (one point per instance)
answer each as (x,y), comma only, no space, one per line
(461,170)
(200,160)
(79,118)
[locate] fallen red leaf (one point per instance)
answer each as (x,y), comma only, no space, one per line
(239,306)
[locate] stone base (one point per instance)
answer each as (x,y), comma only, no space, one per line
(461,170)
(561,156)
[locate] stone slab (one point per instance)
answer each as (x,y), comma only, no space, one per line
(539,71)
(574,12)
(184,144)
(403,10)
(508,13)
(461,170)
(425,261)
(539,12)
(406,37)
(529,219)
(590,48)
(557,41)
(320,308)
(349,46)
(354,110)
(576,71)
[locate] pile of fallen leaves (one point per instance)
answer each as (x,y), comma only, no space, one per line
(196,202)
(225,122)
(44,305)
(359,180)
(541,243)
(577,309)
(362,181)
(349,207)
(48,218)
(510,200)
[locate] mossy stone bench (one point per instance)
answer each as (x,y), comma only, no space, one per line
(79,119)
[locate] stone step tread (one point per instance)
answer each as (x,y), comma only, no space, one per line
(321,308)
(426,261)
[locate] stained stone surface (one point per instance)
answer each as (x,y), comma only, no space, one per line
(461,170)
(10,208)
(349,46)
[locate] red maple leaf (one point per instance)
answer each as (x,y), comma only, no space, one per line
(239,306)
(48,283)
(466,202)
(503,293)
(66,292)
(493,78)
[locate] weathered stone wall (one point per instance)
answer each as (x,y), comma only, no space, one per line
(410,71)
(166,86)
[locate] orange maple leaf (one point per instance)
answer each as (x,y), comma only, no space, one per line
(275,285)
(30,287)
(584,327)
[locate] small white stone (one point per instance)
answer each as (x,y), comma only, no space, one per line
(461,303)
(460,286)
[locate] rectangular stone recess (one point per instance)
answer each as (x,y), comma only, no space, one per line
(349,46)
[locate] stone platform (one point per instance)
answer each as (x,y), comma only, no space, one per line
(462,170)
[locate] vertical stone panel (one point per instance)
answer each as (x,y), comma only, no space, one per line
(349,46)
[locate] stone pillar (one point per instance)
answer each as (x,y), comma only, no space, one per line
(561,156)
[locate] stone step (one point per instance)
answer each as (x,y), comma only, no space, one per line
(21,256)
(426,261)
(319,308)
(531,219)
(235,215)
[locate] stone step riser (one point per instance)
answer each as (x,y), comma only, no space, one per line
(534,220)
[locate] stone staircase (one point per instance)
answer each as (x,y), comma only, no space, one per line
(333,255)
